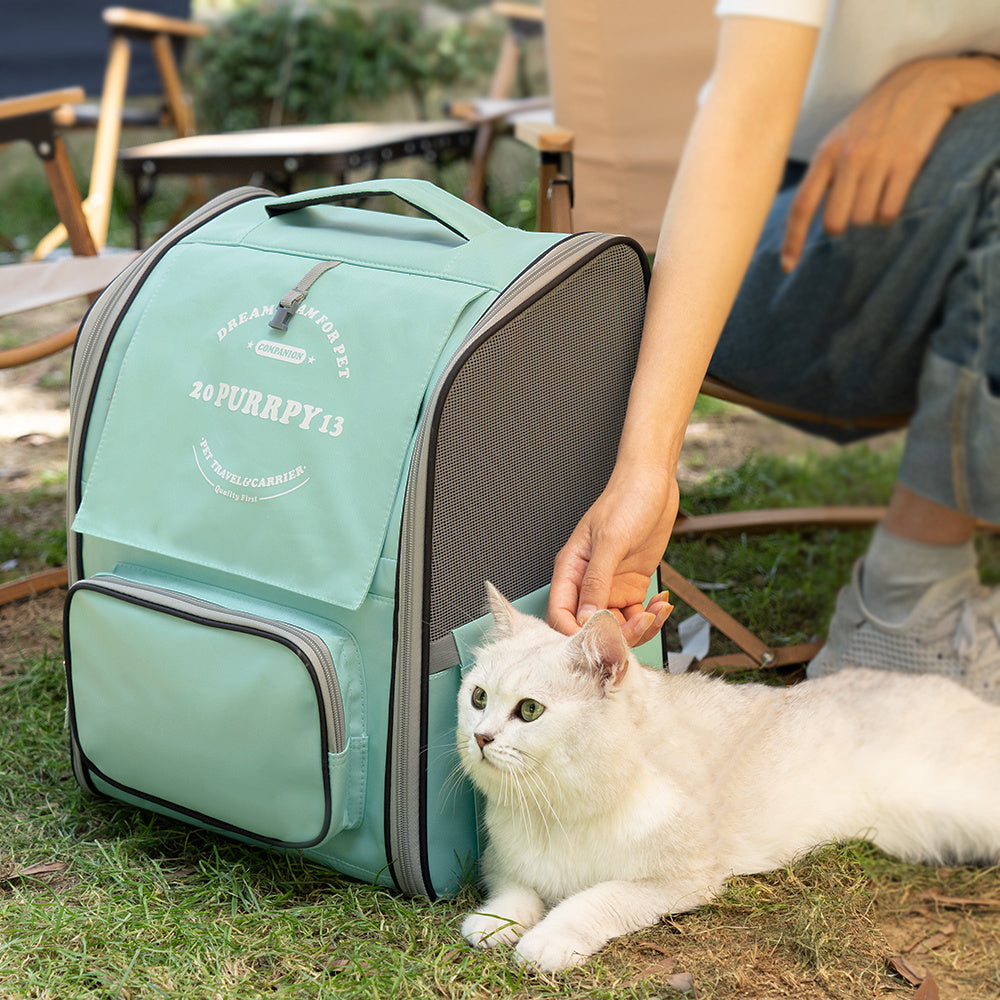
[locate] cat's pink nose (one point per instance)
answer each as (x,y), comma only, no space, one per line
(482,739)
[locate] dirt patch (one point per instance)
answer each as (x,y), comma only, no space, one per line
(34,400)
(34,424)
(30,628)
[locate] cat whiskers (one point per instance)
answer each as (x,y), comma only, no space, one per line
(528,780)
(457,776)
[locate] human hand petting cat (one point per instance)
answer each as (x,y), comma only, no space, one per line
(867,164)
(610,557)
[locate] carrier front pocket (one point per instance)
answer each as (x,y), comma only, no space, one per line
(236,721)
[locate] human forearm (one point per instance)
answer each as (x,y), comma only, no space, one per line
(724,188)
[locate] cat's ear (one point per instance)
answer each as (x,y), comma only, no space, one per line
(505,615)
(600,647)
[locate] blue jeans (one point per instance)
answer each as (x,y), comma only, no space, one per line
(884,320)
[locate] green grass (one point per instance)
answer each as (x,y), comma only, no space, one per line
(142,906)
(132,905)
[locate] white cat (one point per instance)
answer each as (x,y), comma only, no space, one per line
(616,794)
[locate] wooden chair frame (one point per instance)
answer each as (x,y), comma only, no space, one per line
(33,118)
(127,26)
(498,110)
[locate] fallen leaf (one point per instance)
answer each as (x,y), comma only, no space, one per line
(654,947)
(340,964)
(683,982)
(662,968)
(927,990)
(909,972)
(179,873)
(35,439)
(42,868)
(940,937)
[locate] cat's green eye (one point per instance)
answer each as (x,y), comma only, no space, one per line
(529,709)
(478,698)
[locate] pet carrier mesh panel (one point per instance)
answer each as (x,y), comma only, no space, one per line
(528,411)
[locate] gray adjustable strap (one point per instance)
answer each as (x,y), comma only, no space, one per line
(290,302)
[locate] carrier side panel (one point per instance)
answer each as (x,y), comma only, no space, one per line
(522,440)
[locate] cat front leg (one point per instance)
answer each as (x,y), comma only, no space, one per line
(585,922)
(503,917)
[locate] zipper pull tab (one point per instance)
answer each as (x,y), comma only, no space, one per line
(290,302)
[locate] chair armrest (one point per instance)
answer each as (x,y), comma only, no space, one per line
(514,11)
(143,22)
(33,104)
(546,137)
(554,144)
(499,111)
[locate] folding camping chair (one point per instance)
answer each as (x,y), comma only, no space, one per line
(35,118)
(624,81)
(165,36)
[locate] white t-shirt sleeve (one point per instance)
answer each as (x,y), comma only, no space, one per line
(811,12)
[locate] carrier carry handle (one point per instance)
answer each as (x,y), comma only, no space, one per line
(451,212)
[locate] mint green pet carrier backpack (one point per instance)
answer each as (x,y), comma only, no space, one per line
(303,435)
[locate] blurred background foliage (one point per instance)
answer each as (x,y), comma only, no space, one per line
(326,60)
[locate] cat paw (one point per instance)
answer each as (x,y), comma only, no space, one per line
(551,950)
(503,918)
(484,930)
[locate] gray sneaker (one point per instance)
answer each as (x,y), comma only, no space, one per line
(954,631)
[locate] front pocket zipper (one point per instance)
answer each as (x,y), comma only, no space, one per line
(228,719)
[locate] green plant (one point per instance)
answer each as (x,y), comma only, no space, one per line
(274,63)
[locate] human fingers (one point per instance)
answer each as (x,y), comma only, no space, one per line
(564,591)
(806,201)
(842,192)
(595,587)
(644,625)
(865,208)
(636,629)
(897,189)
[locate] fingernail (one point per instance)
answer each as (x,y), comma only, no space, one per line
(637,628)
(584,613)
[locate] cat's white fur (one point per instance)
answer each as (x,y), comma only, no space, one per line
(637,794)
